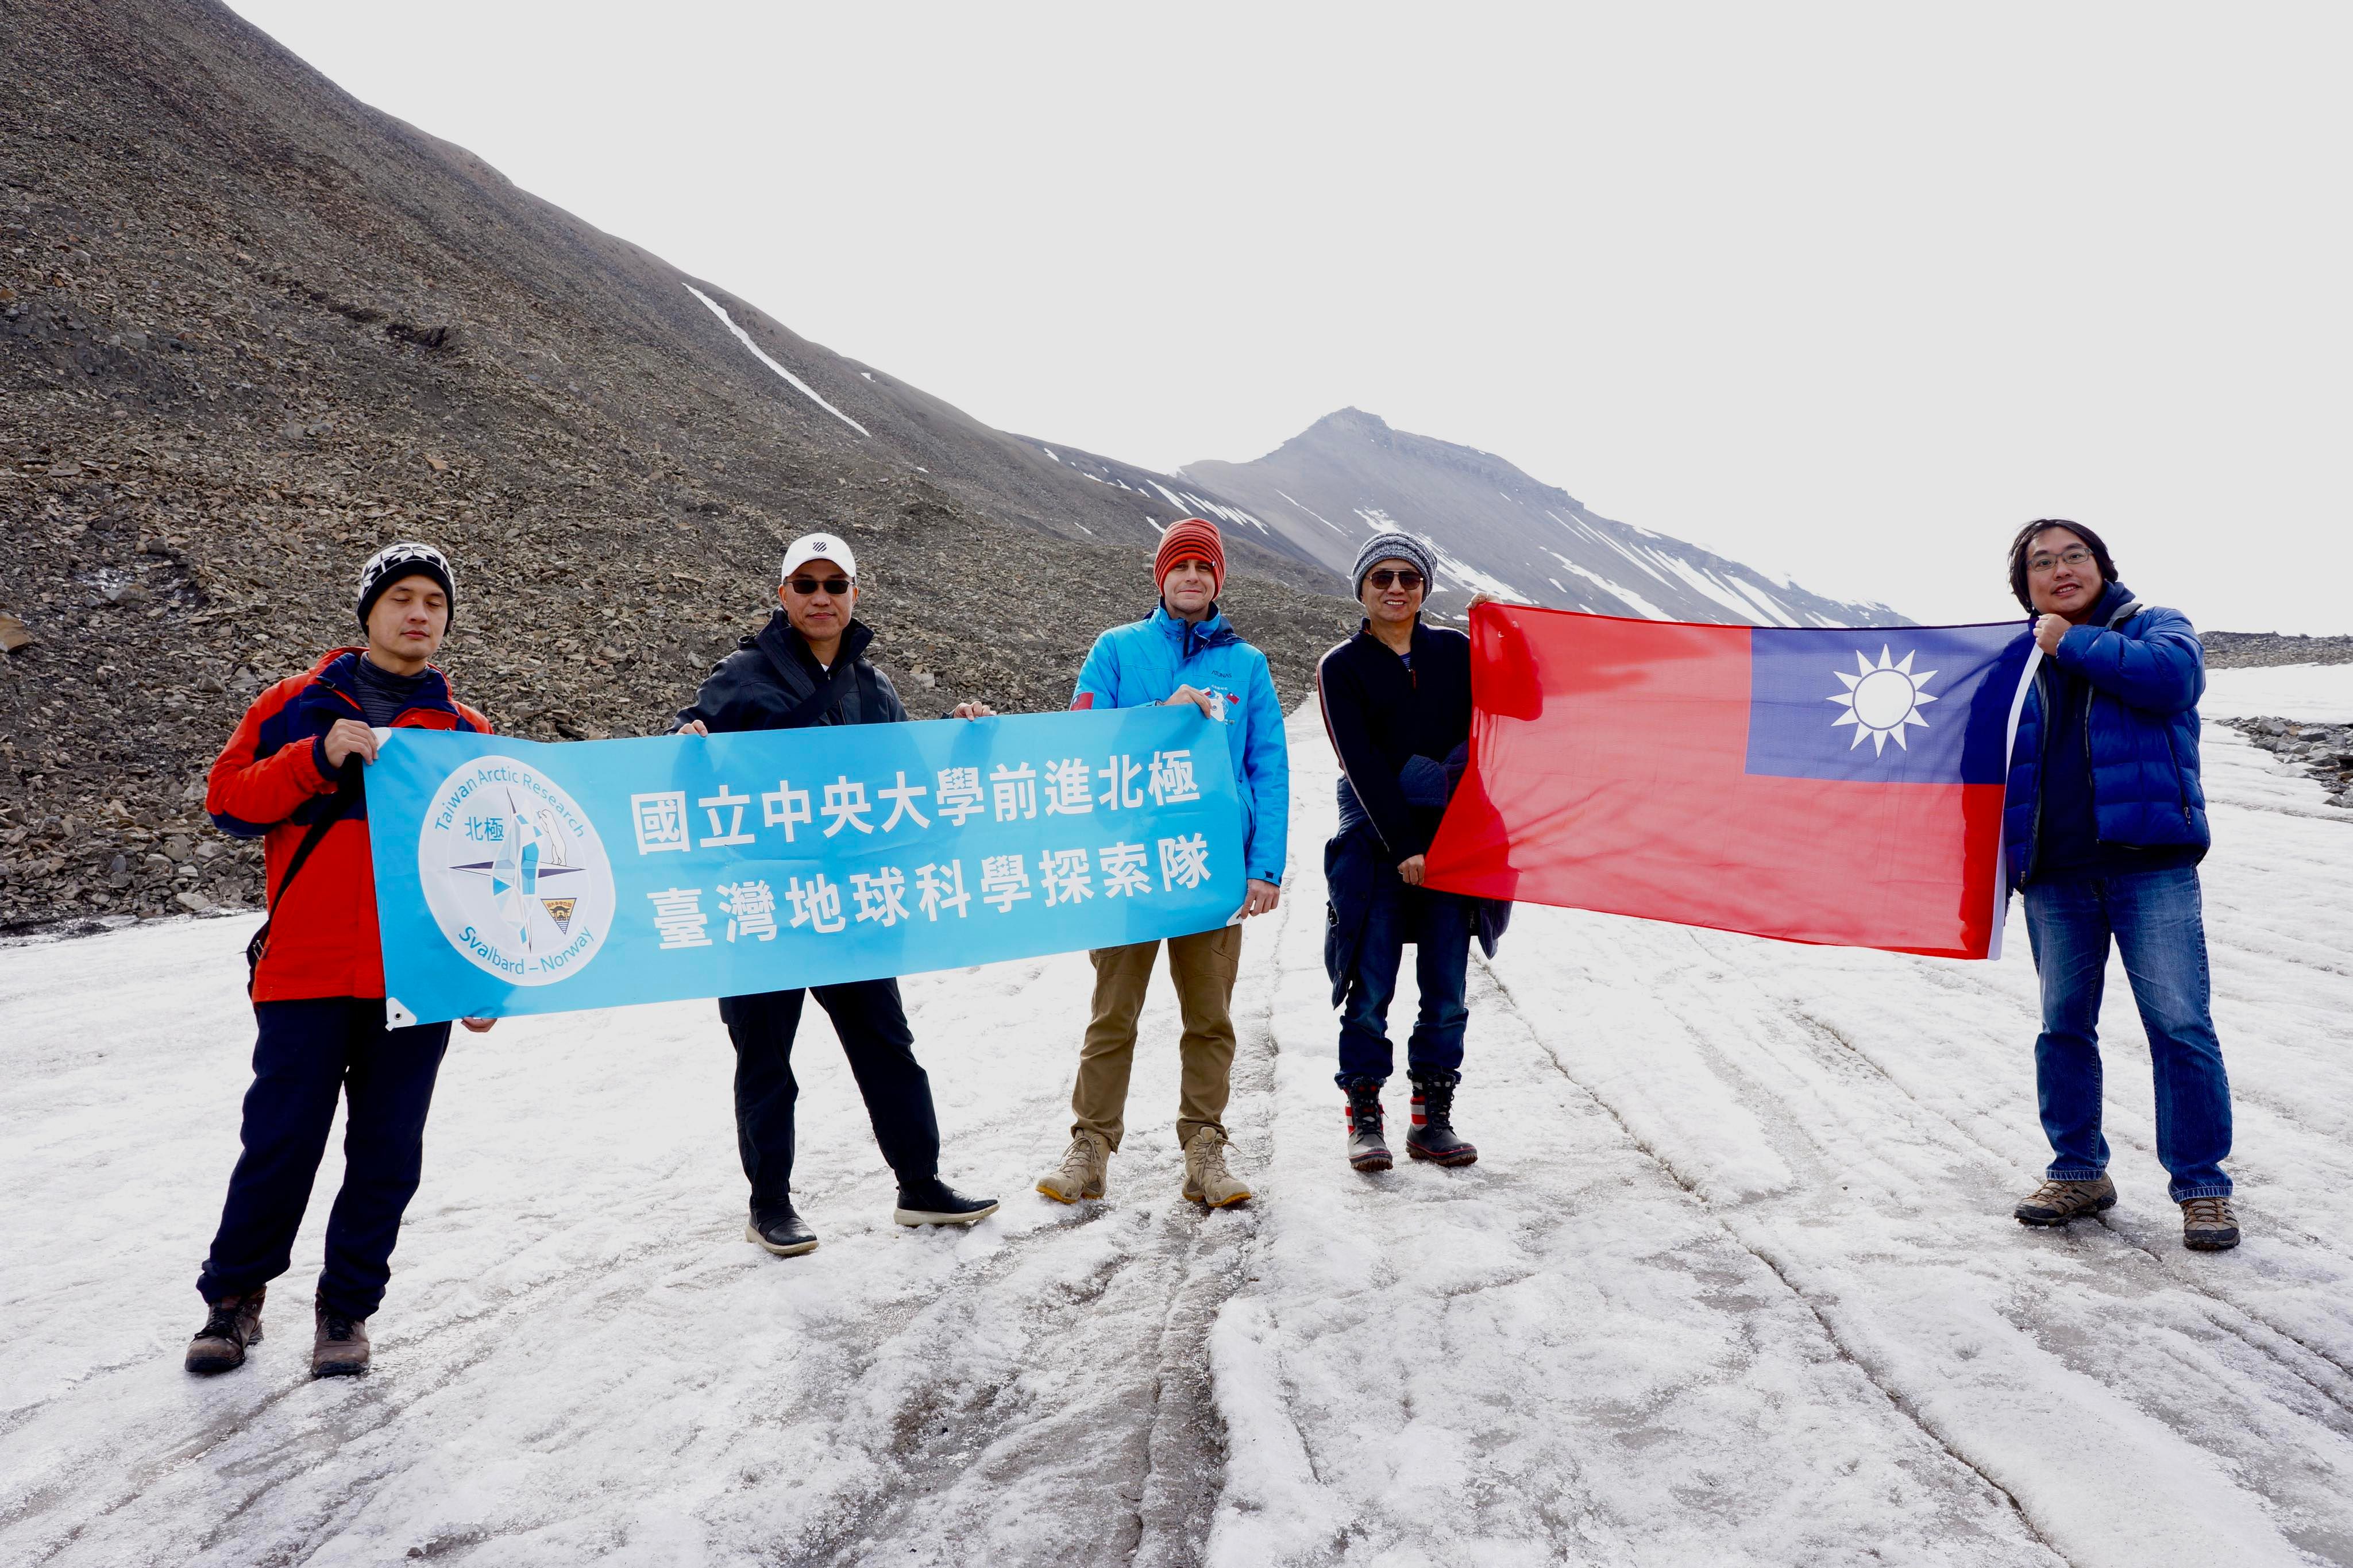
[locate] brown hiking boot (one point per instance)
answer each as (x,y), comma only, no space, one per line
(2209,1226)
(1207,1179)
(340,1348)
(231,1324)
(2056,1203)
(1084,1173)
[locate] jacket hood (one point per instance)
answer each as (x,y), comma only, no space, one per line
(1215,631)
(790,642)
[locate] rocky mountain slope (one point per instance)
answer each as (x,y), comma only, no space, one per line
(1324,492)
(250,329)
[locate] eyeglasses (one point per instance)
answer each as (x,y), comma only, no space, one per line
(1384,577)
(2039,565)
(805,586)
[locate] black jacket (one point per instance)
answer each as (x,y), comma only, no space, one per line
(1380,715)
(1403,739)
(769,677)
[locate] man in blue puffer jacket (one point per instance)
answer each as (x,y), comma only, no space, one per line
(2105,824)
(1184,651)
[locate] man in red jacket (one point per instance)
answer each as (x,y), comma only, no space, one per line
(318,991)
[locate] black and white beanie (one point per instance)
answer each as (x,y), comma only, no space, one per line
(1394,545)
(393,563)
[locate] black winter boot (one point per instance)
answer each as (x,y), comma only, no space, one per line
(781,1231)
(1431,1136)
(1367,1148)
(933,1202)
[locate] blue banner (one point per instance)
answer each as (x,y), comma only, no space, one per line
(522,877)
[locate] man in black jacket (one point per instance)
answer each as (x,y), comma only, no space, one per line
(808,666)
(1396,705)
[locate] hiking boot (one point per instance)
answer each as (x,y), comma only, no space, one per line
(341,1348)
(2209,1226)
(781,1231)
(231,1324)
(1366,1152)
(1431,1136)
(2056,1203)
(933,1201)
(1084,1173)
(1207,1179)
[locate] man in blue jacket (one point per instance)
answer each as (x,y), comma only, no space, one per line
(2105,824)
(1183,652)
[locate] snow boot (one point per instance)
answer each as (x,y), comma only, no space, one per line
(933,1202)
(781,1231)
(1366,1151)
(2209,1226)
(340,1347)
(2056,1203)
(1431,1136)
(231,1324)
(1084,1173)
(1207,1179)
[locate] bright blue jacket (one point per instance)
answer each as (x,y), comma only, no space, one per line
(2145,670)
(1144,661)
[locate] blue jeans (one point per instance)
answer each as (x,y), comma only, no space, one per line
(2156,920)
(1438,925)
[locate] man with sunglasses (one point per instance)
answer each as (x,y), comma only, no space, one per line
(1397,706)
(2105,823)
(809,665)
(1184,651)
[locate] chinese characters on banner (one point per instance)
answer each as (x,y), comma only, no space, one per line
(507,870)
(663,823)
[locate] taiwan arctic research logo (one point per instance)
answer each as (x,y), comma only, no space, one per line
(514,873)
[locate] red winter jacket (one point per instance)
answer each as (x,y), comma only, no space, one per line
(271,782)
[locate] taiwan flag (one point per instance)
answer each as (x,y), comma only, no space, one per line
(1839,785)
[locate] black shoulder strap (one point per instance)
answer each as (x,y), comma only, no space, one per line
(347,786)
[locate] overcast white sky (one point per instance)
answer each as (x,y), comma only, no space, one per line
(1847,290)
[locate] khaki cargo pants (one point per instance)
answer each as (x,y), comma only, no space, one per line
(1203,967)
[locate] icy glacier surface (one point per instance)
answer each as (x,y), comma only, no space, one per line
(1734,1280)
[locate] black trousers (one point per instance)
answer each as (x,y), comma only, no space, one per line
(307,1055)
(881,1051)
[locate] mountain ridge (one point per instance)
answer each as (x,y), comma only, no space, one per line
(1327,488)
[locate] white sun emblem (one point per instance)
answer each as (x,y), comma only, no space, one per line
(1882,700)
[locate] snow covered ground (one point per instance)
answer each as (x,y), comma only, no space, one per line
(2314,693)
(1733,1282)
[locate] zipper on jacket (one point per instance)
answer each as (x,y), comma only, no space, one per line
(2180,784)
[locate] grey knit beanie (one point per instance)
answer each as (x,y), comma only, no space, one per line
(1394,546)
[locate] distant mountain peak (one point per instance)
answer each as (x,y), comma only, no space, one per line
(1493,526)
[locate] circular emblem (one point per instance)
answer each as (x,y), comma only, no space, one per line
(514,873)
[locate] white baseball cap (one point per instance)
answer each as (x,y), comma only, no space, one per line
(811,547)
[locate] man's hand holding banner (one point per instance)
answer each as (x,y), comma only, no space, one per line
(1834,785)
(514,876)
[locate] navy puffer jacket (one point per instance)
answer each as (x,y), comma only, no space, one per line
(2145,670)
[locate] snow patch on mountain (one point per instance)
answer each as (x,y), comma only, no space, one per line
(802,388)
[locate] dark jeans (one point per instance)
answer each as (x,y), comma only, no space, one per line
(881,1051)
(1438,925)
(2156,920)
(307,1055)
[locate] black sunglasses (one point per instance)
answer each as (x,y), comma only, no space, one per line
(1383,578)
(805,586)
